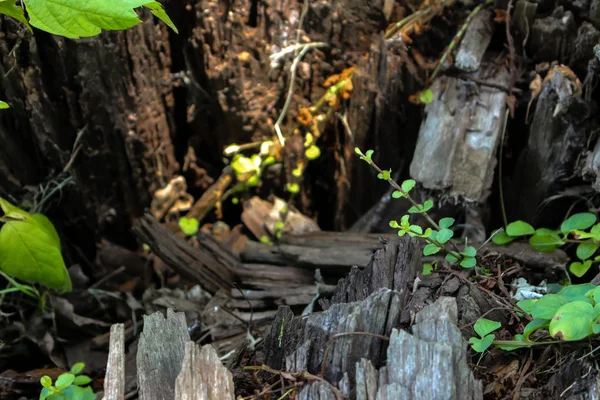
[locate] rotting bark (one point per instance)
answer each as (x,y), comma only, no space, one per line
(99,106)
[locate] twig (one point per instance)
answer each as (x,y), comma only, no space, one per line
(305,48)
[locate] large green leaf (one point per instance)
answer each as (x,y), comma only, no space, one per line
(30,251)
(13,10)
(573,321)
(77,18)
(578,221)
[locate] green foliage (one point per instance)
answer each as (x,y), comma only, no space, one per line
(3,105)
(426,96)
(189,226)
(312,153)
(484,328)
(30,249)
(13,10)
(572,230)
(437,236)
(571,314)
(75,18)
(427,269)
(68,386)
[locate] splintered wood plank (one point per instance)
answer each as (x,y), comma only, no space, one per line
(474,44)
(459,137)
(160,355)
(202,376)
(114,381)
(210,264)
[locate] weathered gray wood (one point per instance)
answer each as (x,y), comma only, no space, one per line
(432,362)
(393,267)
(114,381)
(160,355)
(474,44)
(299,344)
(559,131)
(550,39)
(202,376)
(331,251)
(210,265)
(458,139)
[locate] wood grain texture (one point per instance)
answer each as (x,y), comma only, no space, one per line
(160,355)
(114,381)
(202,376)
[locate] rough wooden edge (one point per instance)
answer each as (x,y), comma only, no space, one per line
(114,382)
(160,355)
(202,376)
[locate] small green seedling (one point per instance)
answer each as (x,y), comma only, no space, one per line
(484,328)
(580,229)
(189,226)
(68,386)
(438,235)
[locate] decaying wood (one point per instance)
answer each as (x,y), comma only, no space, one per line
(430,363)
(459,137)
(550,38)
(561,125)
(330,251)
(114,381)
(474,44)
(160,355)
(210,265)
(211,196)
(202,375)
(528,256)
(103,110)
(393,267)
(260,217)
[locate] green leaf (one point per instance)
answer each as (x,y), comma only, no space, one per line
(578,221)
(3,105)
(11,211)
(446,223)
(427,205)
(385,174)
(76,18)
(394,224)
(579,269)
(545,243)
(415,209)
(534,325)
(483,326)
(502,238)
(430,249)
(408,184)
(82,380)
(279,225)
(396,194)
(77,368)
(519,228)
(425,96)
(527,305)
(573,321)
(65,379)
(594,294)
(481,345)
(157,10)
(574,292)
(444,235)
(415,230)
(45,393)
(313,152)
(13,10)
(468,262)
(451,257)
(546,306)
(30,251)
(293,187)
(189,226)
(586,250)
(469,251)
(46,381)
(427,268)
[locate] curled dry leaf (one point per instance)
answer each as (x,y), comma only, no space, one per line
(536,87)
